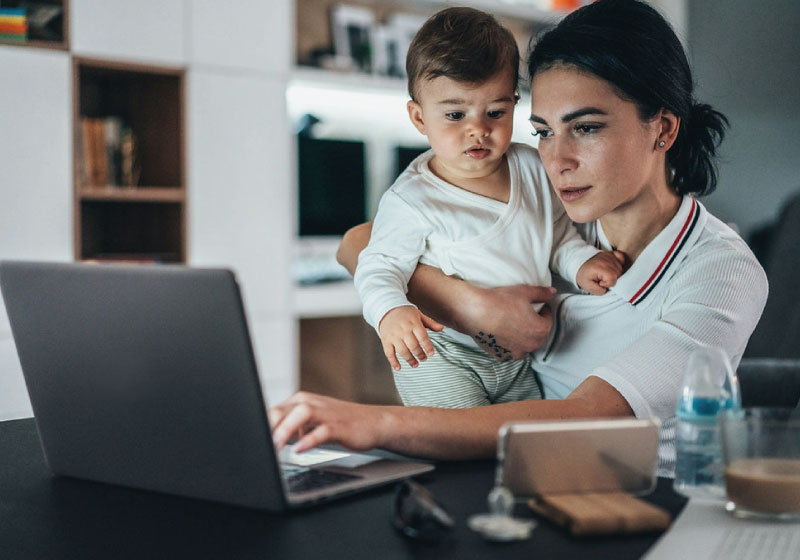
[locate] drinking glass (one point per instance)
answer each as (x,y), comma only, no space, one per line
(761,451)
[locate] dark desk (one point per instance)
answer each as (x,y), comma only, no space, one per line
(42,516)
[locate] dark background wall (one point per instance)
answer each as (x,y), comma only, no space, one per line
(746,59)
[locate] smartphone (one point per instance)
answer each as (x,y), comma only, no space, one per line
(577,456)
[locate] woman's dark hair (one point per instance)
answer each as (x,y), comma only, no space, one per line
(630,45)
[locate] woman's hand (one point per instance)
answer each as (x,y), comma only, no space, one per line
(314,419)
(503,320)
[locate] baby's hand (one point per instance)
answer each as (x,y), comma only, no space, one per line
(403,331)
(601,272)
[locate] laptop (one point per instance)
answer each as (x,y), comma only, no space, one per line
(144,376)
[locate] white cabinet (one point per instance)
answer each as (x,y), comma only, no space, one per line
(14,401)
(240,202)
(149,31)
(35,154)
(240,176)
(35,193)
(244,34)
(240,189)
(275,342)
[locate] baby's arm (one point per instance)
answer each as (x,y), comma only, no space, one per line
(601,272)
(403,331)
(384,267)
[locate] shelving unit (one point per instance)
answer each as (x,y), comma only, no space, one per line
(55,35)
(374,108)
(369,107)
(313,27)
(144,221)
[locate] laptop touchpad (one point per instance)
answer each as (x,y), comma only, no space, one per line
(327,456)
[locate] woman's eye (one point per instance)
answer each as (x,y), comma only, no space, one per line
(587,128)
(542,132)
(455,115)
(496,114)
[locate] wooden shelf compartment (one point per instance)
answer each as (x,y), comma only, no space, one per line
(54,35)
(148,99)
(145,221)
(148,229)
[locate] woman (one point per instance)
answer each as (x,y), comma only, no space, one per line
(625,146)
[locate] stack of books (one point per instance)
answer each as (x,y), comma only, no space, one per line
(13,25)
(108,153)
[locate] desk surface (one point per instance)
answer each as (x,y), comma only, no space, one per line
(42,516)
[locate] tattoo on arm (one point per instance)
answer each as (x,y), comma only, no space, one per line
(489,344)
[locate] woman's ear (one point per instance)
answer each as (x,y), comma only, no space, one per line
(668,125)
(415,114)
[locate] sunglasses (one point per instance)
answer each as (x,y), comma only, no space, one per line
(417,514)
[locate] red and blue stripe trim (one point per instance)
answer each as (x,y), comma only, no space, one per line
(669,258)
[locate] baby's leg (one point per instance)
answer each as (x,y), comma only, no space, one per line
(448,379)
(516,381)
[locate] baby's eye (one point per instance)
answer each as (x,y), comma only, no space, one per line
(543,132)
(496,114)
(454,115)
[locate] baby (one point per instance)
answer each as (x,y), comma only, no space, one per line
(475,206)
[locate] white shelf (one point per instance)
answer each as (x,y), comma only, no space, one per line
(528,10)
(337,299)
(347,81)
(519,9)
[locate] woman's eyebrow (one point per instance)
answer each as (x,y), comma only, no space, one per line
(571,116)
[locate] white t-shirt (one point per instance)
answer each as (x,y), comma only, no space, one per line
(696,283)
(422,218)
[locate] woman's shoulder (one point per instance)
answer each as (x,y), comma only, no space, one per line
(719,238)
(721,257)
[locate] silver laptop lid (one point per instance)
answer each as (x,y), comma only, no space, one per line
(144,376)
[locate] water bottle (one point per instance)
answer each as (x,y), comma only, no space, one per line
(709,387)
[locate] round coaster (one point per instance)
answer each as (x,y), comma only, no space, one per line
(496,527)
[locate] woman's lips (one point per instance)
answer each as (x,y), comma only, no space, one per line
(571,194)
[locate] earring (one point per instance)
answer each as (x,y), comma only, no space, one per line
(662,144)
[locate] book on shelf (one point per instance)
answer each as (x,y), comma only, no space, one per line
(108,153)
(13,25)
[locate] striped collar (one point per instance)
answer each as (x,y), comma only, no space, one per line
(662,256)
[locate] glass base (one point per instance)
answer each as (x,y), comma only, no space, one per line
(709,492)
(744,513)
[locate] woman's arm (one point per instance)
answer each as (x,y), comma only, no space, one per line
(354,241)
(506,312)
(436,433)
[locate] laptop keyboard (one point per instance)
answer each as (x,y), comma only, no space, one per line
(304,480)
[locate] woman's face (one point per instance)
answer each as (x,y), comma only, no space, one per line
(600,156)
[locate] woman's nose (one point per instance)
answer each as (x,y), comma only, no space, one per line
(559,154)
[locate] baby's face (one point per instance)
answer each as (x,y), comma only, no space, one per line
(469,126)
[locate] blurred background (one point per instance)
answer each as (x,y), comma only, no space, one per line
(251,134)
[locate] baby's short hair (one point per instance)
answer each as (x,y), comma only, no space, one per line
(463,44)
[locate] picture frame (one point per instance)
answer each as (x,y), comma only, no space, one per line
(391,42)
(353,28)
